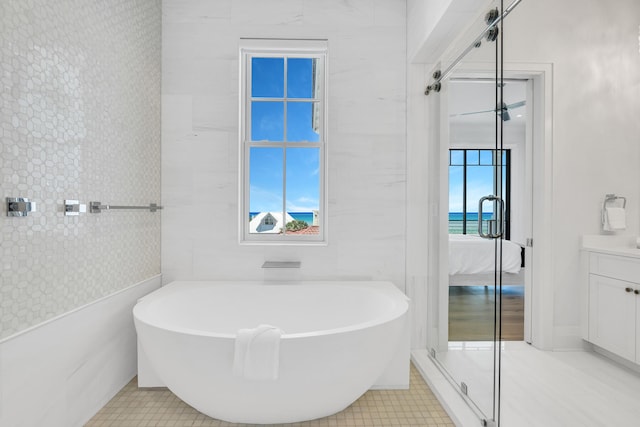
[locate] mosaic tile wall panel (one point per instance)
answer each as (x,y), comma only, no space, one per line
(79,119)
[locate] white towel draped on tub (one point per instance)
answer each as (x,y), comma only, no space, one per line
(257,353)
(615,219)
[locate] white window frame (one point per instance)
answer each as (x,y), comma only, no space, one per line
(279,48)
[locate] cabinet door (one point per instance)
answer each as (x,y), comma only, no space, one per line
(612,315)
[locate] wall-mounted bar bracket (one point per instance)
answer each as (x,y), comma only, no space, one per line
(74,208)
(19,206)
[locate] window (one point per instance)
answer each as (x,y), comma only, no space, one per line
(283,141)
(472,175)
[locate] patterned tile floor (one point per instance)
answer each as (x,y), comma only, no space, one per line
(416,407)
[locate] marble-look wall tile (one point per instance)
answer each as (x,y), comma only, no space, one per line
(79,119)
(366,138)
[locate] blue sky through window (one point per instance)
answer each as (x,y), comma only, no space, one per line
(268,120)
(267,77)
(480,178)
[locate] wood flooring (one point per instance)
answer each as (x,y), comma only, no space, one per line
(471,313)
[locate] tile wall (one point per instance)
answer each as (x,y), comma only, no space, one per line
(366,137)
(79,119)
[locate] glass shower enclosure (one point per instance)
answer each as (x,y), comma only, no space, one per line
(470,105)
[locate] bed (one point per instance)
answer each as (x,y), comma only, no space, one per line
(473,255)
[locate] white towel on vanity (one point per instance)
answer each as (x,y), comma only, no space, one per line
(257,353)
(615,219)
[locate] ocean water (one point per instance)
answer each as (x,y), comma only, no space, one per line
(300,216)
(303,216)
(455,222)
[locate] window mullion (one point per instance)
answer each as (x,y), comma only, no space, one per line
(464,192)
(284,150)
(284,188)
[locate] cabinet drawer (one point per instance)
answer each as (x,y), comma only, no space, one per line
(617,267)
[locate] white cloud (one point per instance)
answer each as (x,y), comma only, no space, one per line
(302,204)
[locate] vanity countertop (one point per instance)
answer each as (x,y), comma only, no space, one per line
(612,245)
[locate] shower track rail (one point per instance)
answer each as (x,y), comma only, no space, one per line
(439,76)
(97,207)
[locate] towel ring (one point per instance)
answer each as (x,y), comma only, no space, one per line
(609,199)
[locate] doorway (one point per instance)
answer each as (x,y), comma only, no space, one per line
(471,171)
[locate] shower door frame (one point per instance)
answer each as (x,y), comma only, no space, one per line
(539,117)
(489,415)
(424,279)
(480,71)
(539,322)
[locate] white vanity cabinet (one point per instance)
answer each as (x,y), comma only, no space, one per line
(613,307)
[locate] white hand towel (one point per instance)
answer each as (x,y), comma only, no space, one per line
(615,219)
(257,353)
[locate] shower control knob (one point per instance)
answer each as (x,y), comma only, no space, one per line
(628,289)
(636,292)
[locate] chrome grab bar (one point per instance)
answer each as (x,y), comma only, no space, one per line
(496,226)
(97,207)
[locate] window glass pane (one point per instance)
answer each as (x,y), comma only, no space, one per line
(455,199)
(265,190)
(457,157)
(303,190)
(301,78)
(486,157)
(473,157)
(267,121)
(267,77)
(302,121)
(479,184)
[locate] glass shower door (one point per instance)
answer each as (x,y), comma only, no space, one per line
(467,347)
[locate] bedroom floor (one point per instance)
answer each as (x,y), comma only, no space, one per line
(471,313)
(418,406)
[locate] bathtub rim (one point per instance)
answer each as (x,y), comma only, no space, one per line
(400,305)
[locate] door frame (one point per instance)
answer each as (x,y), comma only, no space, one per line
(538,281)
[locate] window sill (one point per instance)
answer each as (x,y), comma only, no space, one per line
(283,243)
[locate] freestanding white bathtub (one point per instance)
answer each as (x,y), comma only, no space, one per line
(338,338)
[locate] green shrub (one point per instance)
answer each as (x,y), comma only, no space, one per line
(296,225)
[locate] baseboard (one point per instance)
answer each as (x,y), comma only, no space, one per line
(567,338)
(614,358)
(61,372)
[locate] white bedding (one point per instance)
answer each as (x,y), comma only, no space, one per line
(473,254)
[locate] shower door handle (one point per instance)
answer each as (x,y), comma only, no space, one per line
(495,227)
